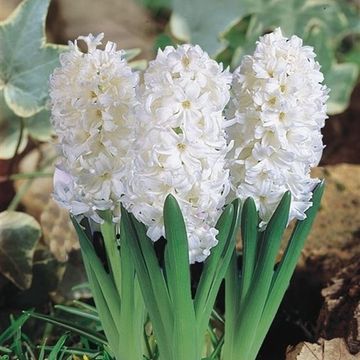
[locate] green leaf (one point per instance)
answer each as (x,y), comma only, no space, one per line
(87,333)
(321,24)
(285,269)
(55,352)
(131,323)
(161,41)
(39,126)
(178,280)
(151,279)
(130,54)
(13,328)
(108,321)
(26,60)
(249,235)
(156,5)
(106,297)
(10,128)
(341,80)
(78,312)
(104,280)
(232,302)
(250,312)
(298,17)
(202,21)
(216,264)
(19,234)
(112,252)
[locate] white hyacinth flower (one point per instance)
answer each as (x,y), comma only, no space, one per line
(180,145)
(92,98)
(278,109)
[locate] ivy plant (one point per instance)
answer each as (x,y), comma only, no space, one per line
(26,61)
(228,30)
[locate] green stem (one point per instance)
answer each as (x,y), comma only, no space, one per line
(30,175)
(12,161)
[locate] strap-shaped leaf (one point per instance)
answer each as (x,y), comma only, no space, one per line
(224,224)
(249,235)
(156,275)
(132,308)
(217,266)
(232,303)
(108,321)
(285,270)
(255,299)
(58,348)
(157,304)
(109,324)
(14,327)
(89,334)
(112,252)
(103,279)
(178,280)
(79,312)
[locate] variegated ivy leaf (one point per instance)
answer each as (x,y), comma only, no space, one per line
(321,23)
(10,128)
(26,60)
(19,234)
(37,127)
(203,21)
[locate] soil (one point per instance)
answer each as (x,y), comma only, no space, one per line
(342,135)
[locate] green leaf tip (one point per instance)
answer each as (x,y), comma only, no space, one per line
(170,201)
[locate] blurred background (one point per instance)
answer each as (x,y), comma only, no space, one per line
(323,302)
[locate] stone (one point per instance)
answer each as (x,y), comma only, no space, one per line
(334,349)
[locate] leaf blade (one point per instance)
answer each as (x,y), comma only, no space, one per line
(24,79)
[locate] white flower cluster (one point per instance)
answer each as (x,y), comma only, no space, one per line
(180,145)
(278,107)
(92,97)
(136,142)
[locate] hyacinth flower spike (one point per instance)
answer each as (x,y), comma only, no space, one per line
(154,157)
(181,149)
(278,109)
(92,96)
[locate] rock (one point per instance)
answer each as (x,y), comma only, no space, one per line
(57,229)
(335,236)
(6,7)
(338,220)
(340,314)
(331,260)
(38,191)
(334,349)
(124,22)
(333,245)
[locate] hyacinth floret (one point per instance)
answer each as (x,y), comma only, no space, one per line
(180,145)
(278,109)
(92,96)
